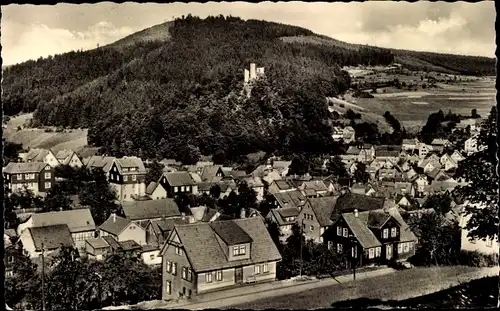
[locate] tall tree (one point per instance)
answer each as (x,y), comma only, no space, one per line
(480,171)
(99,195)
(336,167)
(155,171)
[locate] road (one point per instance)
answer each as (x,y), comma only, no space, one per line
(388,286)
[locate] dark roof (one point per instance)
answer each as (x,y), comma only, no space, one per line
(179,179)
(351,201)
(98,243)
(209,214)
(112,242)
(151,187)
(376,219)
(206,254)
(284,184)
(317,185)
(288,212)
(102,162)
(230,232)
(386,153)
(20,168)
(114,224)
(209,172)
(323,208)
(360,230)
(290,198)
(129,245)
(78,220)
(51,237)
(150,209)
(164,226)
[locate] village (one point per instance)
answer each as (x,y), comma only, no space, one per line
(362,217)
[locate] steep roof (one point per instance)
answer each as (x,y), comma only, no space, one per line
(317,185)
(114,224)
(413,141)
(78,220)
(97,243)
(51,237)
(176,179)
(151,187)
(63,155)
(386,153)
(360,230)
(102,162)
(164,226)
(124,164)
(209,173)
(129,245)
(351,201)
(205,253)
(323,208)
(20,168)
(439,142)
(150,209)
(284,184)
(36,155)
(352,150)
(288,212)
(406,234)
(376,219)
(230,232)
(290,198)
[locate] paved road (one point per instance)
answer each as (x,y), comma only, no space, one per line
(381,285)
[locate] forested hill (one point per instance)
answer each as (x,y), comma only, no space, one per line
(180,95)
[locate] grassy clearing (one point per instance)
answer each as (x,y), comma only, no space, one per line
(401,285)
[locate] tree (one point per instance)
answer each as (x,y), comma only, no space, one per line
(361,175)
(336,167)
(155,171)
(57,198)
(474,114)
(215,191)
(99,195)
(440,203)
(10,151)
(275,233)
(18,288)
(299,165)
(480,171)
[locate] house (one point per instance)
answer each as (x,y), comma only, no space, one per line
(99,162)
(150,255)
(404,188)
(178,183)
(122,229)
(158,230)
(448,162)
(318,186)
(372,237)
(384,174)
(295,199)
(423,150)
(69,157)
(348,135)
(140,212)
(213,173)
(155,191)
(204,213)
(383,154)
(404,200)
(50,238)
(470,146)
(127,176)
(457,156)
(440,142)
(372,170)
(338,133)
(351,154)
(97,248)
(314,217)
(39,155)
(101,247)
(38,177)
(284,218)
(366,153)
(473,124)
(79,222)
(420,182)
(256,184)
(282,167)
(410,144)
(241,251)
(485,246)
(279,186)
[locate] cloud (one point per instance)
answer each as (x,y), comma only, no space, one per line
(40,40)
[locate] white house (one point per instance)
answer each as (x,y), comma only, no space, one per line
(470,146)
(457,156)
(39,155)
(448,162)
(156,191)
(69,157)
(486,246)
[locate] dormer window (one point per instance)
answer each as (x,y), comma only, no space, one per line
(239,250)
(385,233)
(393,232)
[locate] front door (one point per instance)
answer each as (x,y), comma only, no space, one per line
(238,275)
(388,251)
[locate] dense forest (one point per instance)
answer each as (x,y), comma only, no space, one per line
(182,98)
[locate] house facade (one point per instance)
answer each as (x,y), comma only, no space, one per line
(40,155)
(122,230)
(241,251)
(127,176)
(48,238)
(178,183)
(470,146)
(141,212)
(69,157)
(36,176)
(155,191)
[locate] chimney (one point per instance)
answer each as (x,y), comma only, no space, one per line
(252,71)
(114,217)
(242,213)
(356,212)
(247,76)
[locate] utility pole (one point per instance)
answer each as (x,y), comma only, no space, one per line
(301,235)
(354,257)
(43,279)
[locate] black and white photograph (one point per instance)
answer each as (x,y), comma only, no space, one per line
(250,155)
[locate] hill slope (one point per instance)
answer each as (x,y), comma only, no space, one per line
(174,90)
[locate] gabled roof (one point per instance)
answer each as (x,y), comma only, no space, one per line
(98,243)
(112,242)
(351,201)
(323,208)
(230,232)
(440,142)
(78,220)
(432,174)
(317,185)
(206,254)
(290,198)
(281,164)
(176,179)
(406,234)
(51,237)
(102,162)
(37,155)
(288,212)
(386,153)
(352,151)
(377,219)
(64,155)
(360,230)
(164,226)
(413,141)
(253,182)
(115,224)
(20,168)
(151,187)
(209,173)
(150,209)
(129,245)
(130,162)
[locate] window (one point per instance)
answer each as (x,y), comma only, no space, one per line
(189,293)
(400,248)
(175,189)
(330,245)
(339,231)
(345,232)
(184,273)
(371,253)
(489,242)
(168,287)
(311,228)
(174,268)
(182,189)
(265,268)
(410,245)
(377,251)
(406,247)
(208,277)
(134,177)
(47,185)
(218,275)
(189,275)
(257,269)
(339,248)
(169,266)
(47,175)
(47,168)
(188,188)
(125,178)
(393,232)
(303,226)
(386,233)
(239,250)
(178,250)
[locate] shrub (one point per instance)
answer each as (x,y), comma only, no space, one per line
(19,128)
(60,129)
(49,130)
(476,259)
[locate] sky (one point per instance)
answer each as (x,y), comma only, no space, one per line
(32,31)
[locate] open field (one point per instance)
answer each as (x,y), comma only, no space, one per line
(75,139)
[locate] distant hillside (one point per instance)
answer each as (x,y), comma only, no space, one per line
(174,90)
